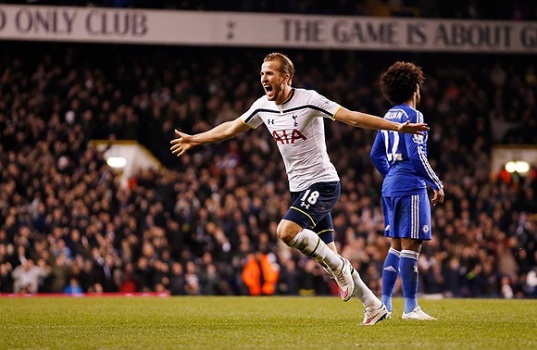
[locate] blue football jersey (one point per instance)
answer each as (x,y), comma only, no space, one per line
(402,158)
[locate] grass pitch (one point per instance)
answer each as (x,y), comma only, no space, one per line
(259,323)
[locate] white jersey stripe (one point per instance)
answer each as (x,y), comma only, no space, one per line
(414,233)
(428,168)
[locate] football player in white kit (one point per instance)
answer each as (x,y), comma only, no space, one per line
(294,117)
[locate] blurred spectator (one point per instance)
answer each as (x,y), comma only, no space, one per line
(59,275)
(177,279)
(288,278)
(73,287)
(128,279)
(209,280)
(192,282)
(531,283)
(507,290)
(260,274)
(28,277)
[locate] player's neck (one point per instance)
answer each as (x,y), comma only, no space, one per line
(286,95)
(412,102)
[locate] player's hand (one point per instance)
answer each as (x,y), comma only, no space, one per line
(181,143)
(438,197)
(413,128)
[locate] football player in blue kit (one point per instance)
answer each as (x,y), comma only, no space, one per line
(402,161)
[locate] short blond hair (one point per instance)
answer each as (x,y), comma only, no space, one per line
(286,65)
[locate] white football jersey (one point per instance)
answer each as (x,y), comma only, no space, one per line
(297,127)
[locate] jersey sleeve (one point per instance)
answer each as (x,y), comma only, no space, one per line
(378,154)
(417,153)
(326,107)
(251,116)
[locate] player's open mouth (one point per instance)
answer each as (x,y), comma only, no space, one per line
(268,88)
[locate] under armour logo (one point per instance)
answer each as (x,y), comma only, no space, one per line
(270,121)
(295,123)
(303,204)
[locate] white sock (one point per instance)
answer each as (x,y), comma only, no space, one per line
(310,244)
(362,292)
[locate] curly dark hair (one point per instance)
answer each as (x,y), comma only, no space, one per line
(400,82)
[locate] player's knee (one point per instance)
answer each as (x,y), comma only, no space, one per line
(396,244)
(411,244)
(286,232)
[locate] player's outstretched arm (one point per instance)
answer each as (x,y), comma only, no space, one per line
(368,121)
(183,142)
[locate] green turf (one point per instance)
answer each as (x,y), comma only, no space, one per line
(259,323)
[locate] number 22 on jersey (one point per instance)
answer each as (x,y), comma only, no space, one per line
(391,142)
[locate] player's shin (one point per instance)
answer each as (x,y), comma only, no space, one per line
(390,271)
(310,244)
(409,277)
(363,293)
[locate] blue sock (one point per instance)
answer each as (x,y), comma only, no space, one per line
(408,266)
(390,271)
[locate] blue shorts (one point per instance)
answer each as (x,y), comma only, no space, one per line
(407,216)
(311,208)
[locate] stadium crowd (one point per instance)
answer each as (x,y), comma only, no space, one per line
(67,224)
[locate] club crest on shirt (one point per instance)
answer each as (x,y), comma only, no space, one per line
(425,228)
